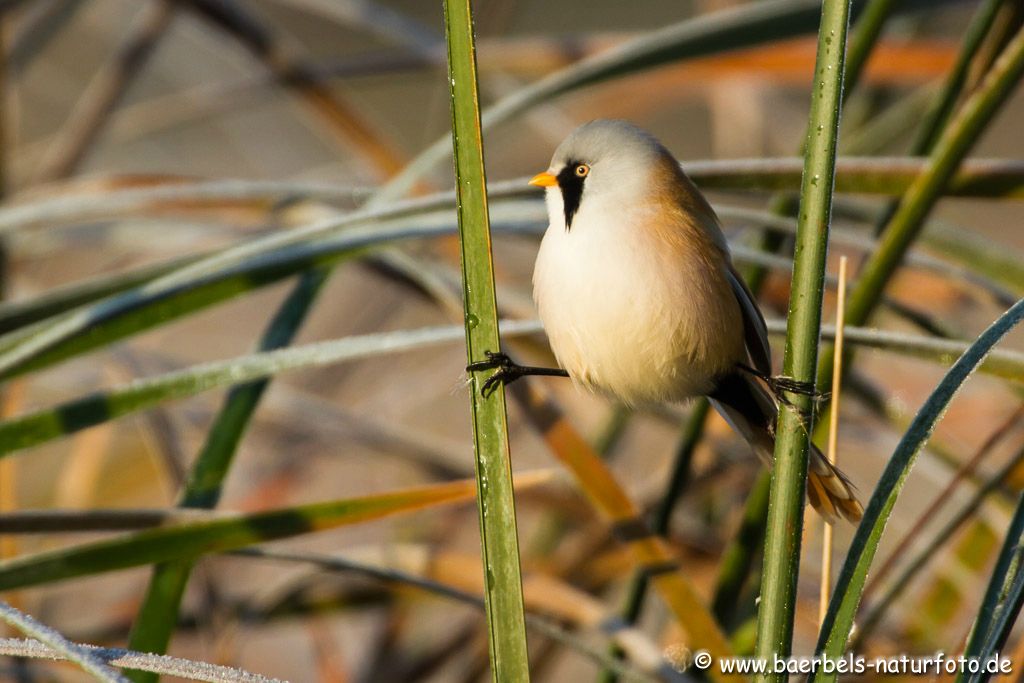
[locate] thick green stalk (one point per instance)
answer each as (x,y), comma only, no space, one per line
(738,559)
(785,510)
(503,595)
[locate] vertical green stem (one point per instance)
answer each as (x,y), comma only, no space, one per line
(785,510)
(502,583)
(738,559)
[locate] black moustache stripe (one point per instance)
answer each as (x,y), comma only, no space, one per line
(572,190)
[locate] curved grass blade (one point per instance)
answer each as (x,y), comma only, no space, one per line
(874,175)
(892,176)
(850,585)
(91,206)
(193,539)
(175,295)
(53,302)
(931,550)
(512,214)
(23,346)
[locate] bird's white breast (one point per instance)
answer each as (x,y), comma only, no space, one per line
(630,312)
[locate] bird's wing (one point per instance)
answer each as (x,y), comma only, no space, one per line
(754,329)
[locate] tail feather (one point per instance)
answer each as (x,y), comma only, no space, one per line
(819,499)
(748,407)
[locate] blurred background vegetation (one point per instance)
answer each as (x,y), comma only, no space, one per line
(123,123)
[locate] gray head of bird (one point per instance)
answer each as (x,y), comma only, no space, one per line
(606,161)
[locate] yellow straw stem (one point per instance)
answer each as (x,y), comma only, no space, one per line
(833,438)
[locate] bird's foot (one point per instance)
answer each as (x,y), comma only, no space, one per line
(780,385)
(507,371)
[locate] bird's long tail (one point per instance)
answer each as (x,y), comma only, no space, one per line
(748,407)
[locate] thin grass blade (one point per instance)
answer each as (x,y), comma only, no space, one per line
(244,268)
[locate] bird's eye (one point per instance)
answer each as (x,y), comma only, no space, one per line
(582,170)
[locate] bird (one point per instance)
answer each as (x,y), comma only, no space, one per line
(635,287)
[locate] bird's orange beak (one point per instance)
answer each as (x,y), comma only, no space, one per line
(544,179)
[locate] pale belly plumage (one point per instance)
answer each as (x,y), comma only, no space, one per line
(646,322)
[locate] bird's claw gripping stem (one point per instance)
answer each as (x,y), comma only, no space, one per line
(780,385)
(506,371)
